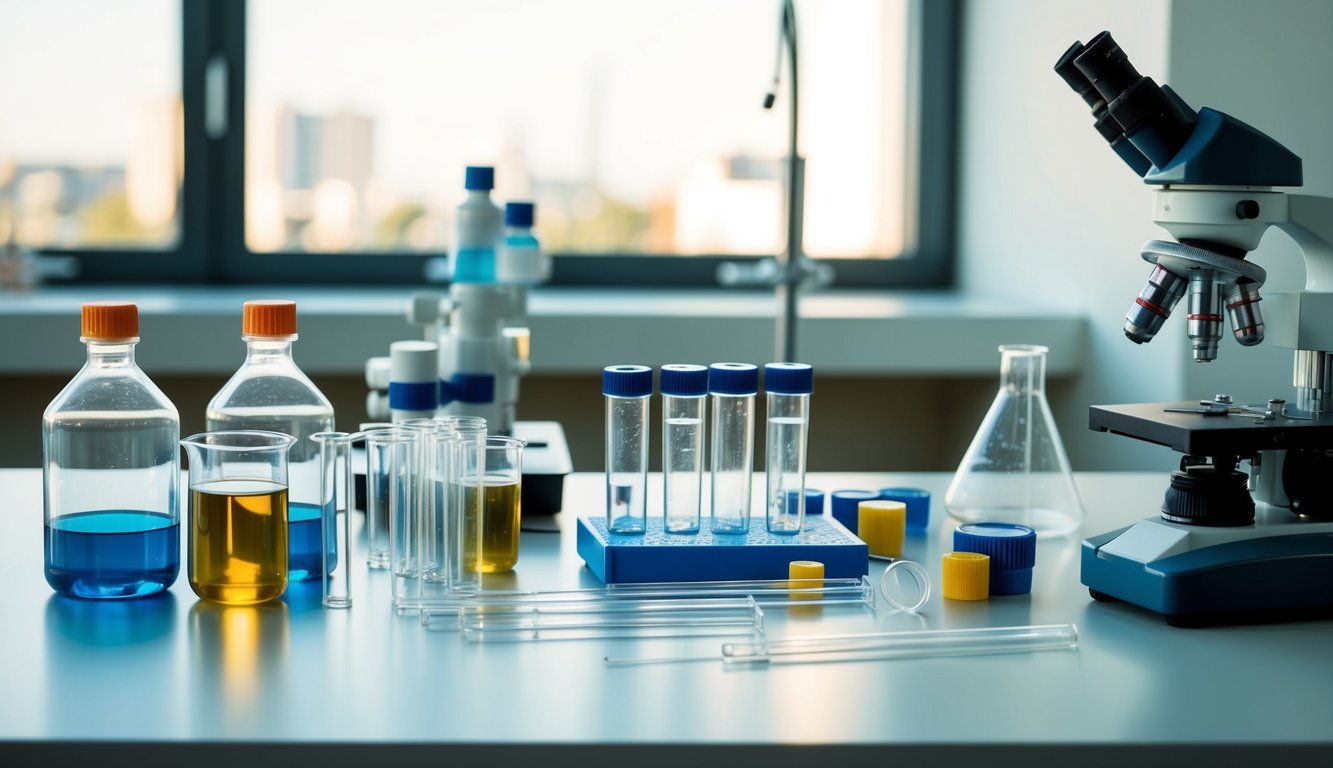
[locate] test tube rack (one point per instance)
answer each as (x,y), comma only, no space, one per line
(705,556)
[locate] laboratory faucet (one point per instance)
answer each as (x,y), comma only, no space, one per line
(791,270)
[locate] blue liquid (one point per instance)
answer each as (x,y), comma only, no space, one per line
(112,554)
(474,265)
(305,555)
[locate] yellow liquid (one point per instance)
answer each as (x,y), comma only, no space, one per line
(238,541)
(499,530)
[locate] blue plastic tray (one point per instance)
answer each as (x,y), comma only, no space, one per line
(658,556)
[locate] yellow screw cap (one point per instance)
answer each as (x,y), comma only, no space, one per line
(805,574)
(880,524)
(965,576)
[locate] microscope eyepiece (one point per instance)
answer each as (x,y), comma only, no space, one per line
(1070,73)
(1154,119)
(1106,125)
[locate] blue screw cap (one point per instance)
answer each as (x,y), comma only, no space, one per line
(733,379)
(627,381)
(684,380)
(918,505)
(1012,549)
(789,378)
(844,506)
(479,177)
(520,214)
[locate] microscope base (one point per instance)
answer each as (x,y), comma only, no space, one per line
(1197,576)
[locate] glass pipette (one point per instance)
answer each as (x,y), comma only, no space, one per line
(770,593)
(620,619)
(886,645)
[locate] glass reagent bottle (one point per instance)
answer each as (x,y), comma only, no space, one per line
(269,392)
(110,470)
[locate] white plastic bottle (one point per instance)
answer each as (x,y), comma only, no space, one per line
(110,470)
(521,261)
(477,229)
(270,392)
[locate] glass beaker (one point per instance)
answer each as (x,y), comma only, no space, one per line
(1016,470)
(238,515)
(500,508)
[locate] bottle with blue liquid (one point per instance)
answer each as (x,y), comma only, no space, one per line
(269,392)
(477,228)
(110,470)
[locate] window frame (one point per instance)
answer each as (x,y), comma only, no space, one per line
(212,246)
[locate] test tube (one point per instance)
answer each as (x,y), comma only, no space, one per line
(335,480)
(628,389)
(684,392)
(465,500)
(733,387)
(788,387)
(391,473)
(435,542)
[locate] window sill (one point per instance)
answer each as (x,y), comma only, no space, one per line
(574,330)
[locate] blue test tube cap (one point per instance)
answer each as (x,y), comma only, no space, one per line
(520,214)
(1012,550)
(479,177)
(627,381)
(918,505)
(684,380)
(733,379)
(845,505)
(814,502)
(789,378)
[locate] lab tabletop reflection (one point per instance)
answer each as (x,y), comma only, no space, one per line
(176,671)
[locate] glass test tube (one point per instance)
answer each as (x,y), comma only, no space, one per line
(464,499)
(684,393)
(435,554)
(391,468)
(788,387)
(628,389)
(733,387)
(335,480)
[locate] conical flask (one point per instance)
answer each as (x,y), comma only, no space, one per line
(1016,470)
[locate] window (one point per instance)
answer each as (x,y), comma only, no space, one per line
(325,140)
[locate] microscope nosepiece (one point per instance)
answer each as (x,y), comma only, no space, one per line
(1153,305)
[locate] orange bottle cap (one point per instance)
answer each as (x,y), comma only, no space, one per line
(110,320)
(272,317)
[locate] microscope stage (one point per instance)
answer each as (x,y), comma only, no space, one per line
(1196,434)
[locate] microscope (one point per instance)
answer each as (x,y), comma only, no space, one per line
(1229,546)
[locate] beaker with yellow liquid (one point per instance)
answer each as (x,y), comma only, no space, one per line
(238,515)
(499,508)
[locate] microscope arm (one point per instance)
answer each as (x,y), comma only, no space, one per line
(1310,223)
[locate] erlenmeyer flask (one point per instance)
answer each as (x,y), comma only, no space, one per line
(1016,470)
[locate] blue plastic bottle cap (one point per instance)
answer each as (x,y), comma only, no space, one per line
(1012,549)
(814,501)
(627,381)
(479,177)
(789,378)
(918,505)
(684,380)
(733,379)
(845,505)
(520,214)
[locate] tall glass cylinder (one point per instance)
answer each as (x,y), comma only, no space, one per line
(464,500)
(1016,470)
(391,472)
(684,395)
(628,389)
(788,387)
(732,387)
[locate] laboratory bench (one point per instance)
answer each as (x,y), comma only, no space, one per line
(174,680)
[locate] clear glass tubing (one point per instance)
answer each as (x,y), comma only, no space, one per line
(684,398)
(878,646)
(769,593)
(617,619)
